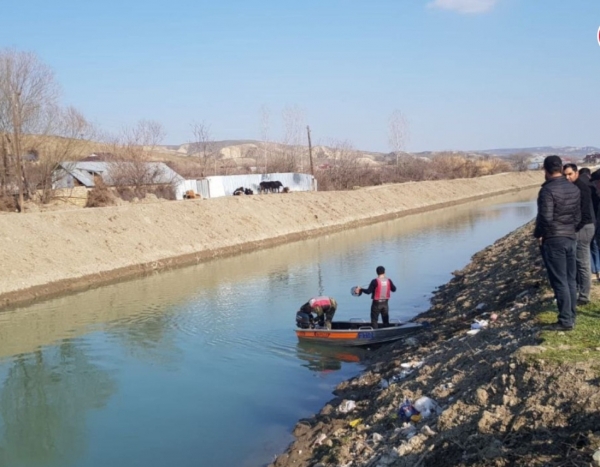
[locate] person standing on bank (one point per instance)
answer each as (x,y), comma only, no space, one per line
(380,290)
(559,213)
(585,231)
(595,249)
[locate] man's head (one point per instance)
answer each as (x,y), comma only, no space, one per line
(552,166)
(585,172)
(595,178)
(570,171)
(380,270)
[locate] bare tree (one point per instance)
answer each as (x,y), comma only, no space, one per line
(204,146)
(64,139)
(293,126)
(397,133)
(265,117)
(346,169)
(27,89)
(132,170)
(520,161)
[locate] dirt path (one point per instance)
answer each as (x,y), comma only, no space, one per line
(48,253)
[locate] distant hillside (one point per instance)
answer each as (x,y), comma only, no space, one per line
(251,152)
(572,151)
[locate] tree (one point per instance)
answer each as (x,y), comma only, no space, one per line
(397,133)
(293,127)
(204,146)
(520,161)
(63,139)
(265,117)
(28,92)
(133,149)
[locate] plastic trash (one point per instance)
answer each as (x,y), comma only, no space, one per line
(408,412)
(354,423)
(478,324)
(347,406)
(322,437)
(427,406)
(472,332)
(409,365)
(408,430)
(400,376)
(383,384)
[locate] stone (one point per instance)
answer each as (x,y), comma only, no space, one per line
(596,458)
(482,396)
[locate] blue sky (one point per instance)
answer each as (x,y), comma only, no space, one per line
(467,74)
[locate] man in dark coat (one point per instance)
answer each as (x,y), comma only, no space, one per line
(585,233)
(559,214)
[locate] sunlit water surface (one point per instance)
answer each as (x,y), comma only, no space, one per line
(200,366)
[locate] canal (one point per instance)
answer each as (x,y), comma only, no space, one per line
(200,366)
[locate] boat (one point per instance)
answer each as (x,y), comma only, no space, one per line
(355,332)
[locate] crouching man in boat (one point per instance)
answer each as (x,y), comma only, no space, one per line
(323,307)
(380,289)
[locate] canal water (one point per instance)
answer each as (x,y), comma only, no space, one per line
(200,366)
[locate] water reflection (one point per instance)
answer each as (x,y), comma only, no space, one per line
(321,358)
(44,403)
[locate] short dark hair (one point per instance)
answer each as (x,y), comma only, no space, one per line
(380,270)
(571,166)
(585,171)
(553,164)
(595,175)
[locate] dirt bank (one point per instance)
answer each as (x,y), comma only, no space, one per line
(47,253)
(503,400)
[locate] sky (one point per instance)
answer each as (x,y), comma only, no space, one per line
(466,74)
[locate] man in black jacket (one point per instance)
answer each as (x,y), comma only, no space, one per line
(585,233)
(559,213)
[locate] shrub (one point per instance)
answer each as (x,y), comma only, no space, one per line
(100,196)
(8,203)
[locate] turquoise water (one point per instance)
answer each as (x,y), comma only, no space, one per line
(200,366)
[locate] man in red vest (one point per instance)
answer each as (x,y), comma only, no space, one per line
(380,290)
(323,307)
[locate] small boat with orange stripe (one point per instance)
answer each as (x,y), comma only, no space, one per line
(356,332)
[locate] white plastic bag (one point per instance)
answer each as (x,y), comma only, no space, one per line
(427,406)
(347,406)
(478,324)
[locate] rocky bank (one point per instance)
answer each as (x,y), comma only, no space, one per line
(501,400)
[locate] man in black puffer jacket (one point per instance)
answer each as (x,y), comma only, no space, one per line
(559,213)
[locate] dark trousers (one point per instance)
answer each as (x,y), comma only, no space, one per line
(377,307)
(559,254)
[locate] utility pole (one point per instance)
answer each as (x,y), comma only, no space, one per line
(312,170)
(16,117)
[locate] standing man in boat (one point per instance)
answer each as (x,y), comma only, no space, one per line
(380,290)
(323,307)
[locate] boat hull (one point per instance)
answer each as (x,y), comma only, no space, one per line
(353,334)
